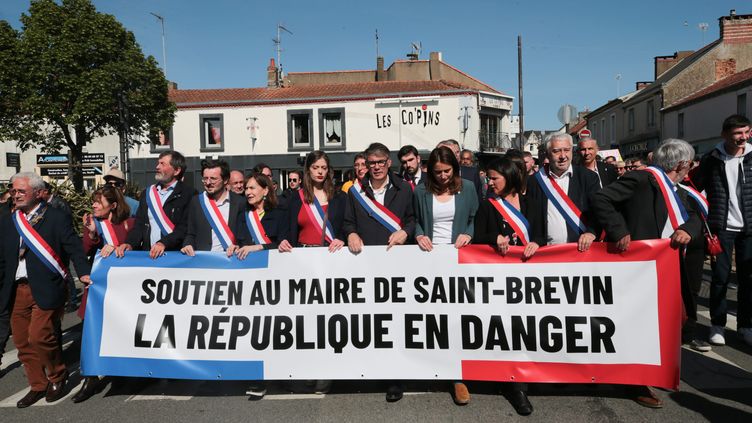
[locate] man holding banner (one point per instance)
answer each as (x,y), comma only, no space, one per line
(647,205)
(215,218)
(37,244)
(559,194)
(379,211)
(162,215)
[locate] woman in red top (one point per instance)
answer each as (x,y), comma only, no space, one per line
(111,216)
(317,197)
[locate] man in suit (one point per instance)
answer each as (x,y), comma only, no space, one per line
(633,208)
(37,292)
(470,173)
(361,225)
(410,166)
(200,234)
(578,184)
(154,236)
(588,151)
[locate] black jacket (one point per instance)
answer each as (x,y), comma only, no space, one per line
(199,233)
(176,208)
(47,287)
(471,174)
(711,177)
(607,173)
(582,185)
(398,199)
(273,221)
(336,215)
(489,224)
(634,206)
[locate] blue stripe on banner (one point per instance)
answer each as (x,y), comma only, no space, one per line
(92,364)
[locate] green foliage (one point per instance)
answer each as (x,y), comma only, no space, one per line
(73,74)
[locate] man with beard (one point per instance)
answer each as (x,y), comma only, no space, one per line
(162,216)
(410,161)
(215,218)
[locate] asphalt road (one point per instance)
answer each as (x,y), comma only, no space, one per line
(715,386)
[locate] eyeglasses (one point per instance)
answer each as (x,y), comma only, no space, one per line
(293,179)
(115,184)
(376,163)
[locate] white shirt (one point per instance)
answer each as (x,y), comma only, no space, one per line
(224,209)
(21,269)
(416,177)
(155,234)
(378,195)
(443,215)
(557,226)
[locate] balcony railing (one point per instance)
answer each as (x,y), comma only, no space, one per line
(494,141)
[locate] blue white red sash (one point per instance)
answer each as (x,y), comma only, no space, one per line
(216,221)
(514,218)
(677,214)
(316,216)
(107,232)
(571,213)
(256,228)
(379,212)
(700,199)
(38,245)
(157,212)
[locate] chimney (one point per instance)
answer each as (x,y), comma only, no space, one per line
(272,81)
(380,72)
(664,63)
(724,68)
(642,84)
(736,29)
(434,65)
(171,86)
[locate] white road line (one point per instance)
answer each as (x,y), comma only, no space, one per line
(730,319)
(159,397)
(13,399)
(11,357)
(277,397)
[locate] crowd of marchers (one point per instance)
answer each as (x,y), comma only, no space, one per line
(703,205)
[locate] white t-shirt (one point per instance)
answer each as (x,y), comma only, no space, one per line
(443,215)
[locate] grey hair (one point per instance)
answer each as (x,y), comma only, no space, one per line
(35,181)
(448,143)
(671,152)
(554,137)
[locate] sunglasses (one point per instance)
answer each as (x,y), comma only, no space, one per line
(293,179)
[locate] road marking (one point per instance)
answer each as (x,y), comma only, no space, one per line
(159,397)
(13,399)
(11,357)
(277,397)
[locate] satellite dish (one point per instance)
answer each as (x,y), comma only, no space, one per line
(566,114)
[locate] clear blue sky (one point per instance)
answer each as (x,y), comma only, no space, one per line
(572,50)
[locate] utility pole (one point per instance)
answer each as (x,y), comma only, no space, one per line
(164,49)
(278,45)
(519,81)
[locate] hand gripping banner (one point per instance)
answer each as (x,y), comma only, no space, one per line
(468,314)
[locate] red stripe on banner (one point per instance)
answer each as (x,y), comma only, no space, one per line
(665,375)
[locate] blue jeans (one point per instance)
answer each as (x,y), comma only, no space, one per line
(742,243)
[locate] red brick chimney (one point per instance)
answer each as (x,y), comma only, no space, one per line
(642,84)
(664,63)
(724,68)
(272,80)
(736,29)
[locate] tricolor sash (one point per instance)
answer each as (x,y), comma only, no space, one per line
(256,228)
(38,245)
(677,214)
(216,221)
(514,218)
(107,232)
(157,212)
(700,199)
(571,213)
(379,212)
(316,215)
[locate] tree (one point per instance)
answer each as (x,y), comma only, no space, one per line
(73,74)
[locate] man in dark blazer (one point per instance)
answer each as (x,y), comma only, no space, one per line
(146,234)
(588,151)
(36,292)
(410,166)
(633,208)
(199,236)
(579,184)
(362,228)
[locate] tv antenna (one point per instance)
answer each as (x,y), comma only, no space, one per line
(703,27)
(415,54)
(278,46)
(164,50)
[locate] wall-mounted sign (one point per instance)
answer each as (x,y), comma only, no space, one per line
(419,116)
(92,158)
(13,160)
(52,159)
(62,172)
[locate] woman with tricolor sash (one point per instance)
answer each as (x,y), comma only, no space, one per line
(502,222)
(103,229)
(262,217)
(316,214)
